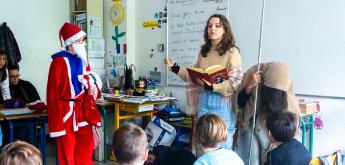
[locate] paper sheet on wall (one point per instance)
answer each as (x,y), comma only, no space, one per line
(95,27)
(96,63)
(96,46)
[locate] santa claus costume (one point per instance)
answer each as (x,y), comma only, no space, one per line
(71,104)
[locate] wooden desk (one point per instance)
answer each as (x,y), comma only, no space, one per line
(24,116)
(127,110)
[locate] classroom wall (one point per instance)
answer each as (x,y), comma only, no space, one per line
(110,47)
(331,137)
(35,24)
(245,20)
(109,30)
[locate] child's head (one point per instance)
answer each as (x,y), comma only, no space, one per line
(282,126)
(130,145)
(13,73)
(3,59)
(210,130)
(20,152)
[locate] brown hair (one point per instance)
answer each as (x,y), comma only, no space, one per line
(210,130)
(3,73)
(228,39)
(129,143)
(20,152)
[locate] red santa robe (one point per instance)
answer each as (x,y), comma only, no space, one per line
(67,119)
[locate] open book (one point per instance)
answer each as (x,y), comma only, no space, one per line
(213,74)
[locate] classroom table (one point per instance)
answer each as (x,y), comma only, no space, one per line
(127,110)
(34,119)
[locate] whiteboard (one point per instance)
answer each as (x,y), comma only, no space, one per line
(309,35)
(186,23)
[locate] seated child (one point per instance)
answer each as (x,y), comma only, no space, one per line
(20,152)
(130,145)
(281,130)
(210,132)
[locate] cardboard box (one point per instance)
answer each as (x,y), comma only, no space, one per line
(160,132)
(80,5)
(307,108)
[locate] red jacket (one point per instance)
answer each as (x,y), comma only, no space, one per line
(65,95)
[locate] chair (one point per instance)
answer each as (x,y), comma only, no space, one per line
(334,159)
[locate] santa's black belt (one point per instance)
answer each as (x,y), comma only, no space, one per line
(75,100)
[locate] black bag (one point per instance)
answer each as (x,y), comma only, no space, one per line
(129,77)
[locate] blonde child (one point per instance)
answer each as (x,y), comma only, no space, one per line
(130,145)
(210,132)
(4,81)
(20,152)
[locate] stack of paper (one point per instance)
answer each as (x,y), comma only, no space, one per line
(112,97)
(136,100)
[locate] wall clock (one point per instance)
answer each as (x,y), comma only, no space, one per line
(117,13)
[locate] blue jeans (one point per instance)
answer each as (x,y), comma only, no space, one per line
(0,136)
(212,102)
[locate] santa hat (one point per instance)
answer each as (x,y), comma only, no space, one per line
(70,33)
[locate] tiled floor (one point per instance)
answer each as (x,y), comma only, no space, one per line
(51,155)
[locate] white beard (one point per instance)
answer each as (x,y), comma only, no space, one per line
(80,50)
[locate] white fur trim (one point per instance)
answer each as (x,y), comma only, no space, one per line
(82,124)
(57,134)
(75,126)
(71,104)
(69,77)
(35,102)
(83,81)
(98,79)
(82,91)
(75,37)
(69,113)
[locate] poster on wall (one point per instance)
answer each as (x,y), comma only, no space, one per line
(96,46)
(95,27)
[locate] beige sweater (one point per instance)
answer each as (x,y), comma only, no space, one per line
(231,60)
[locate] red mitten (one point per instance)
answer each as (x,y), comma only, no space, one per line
(90,111)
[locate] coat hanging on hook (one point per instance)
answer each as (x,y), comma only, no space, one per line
(9,44)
